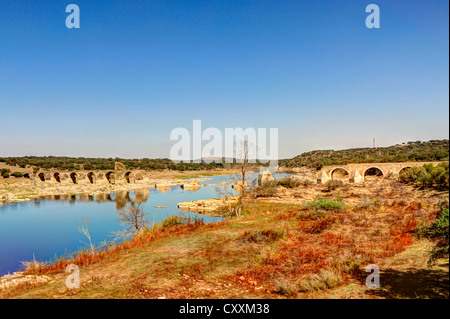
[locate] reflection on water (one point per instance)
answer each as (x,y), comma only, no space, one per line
(162,188)
(121,198)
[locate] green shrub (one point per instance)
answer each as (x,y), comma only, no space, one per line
(17,174)
(268,189)
(427,176)
(175,220)
(288,182)
(438,233)
(325,203)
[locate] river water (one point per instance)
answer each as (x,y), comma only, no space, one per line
(48,227)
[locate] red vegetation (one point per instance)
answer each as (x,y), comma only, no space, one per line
(335,240)
(85,258)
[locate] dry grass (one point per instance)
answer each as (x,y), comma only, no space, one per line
(274,251)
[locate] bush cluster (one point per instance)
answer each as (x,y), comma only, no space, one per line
(77,163)
(4,172)
(324,203)
(438,232)
(427,176)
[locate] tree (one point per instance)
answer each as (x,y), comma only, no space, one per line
(85,231)
(132,217)
(240,182)
(438,233)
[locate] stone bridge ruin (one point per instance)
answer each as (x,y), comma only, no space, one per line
(357,173)
(89,177)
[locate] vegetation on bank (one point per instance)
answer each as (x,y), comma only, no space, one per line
(6,173)
(80,163)
(289,182)
(77,163)
(434,150)
(137,233)
(438,233)
(427,176)
(273,250)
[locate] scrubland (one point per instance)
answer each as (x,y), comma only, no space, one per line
(315,245)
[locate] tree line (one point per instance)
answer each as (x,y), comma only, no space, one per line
(434,150)
(82,163)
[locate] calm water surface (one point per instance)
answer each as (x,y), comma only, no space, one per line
(48,227)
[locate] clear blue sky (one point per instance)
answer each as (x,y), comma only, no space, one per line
(134,71)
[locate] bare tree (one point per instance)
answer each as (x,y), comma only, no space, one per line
(85,231)
(225,193)
(241,182)
(132,217)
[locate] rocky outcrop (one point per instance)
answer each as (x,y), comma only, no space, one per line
(192,186)
(18,278)
(265,178)
(212,207)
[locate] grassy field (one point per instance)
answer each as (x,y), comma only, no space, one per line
(315,250)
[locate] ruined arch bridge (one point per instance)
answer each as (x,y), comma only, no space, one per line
(89,177)
(357,173)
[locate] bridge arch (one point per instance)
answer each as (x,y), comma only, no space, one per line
(41,177)
(110,177)
(74,177)
(57,177)
(90,176)
(344,173)
(373,171)
(127,176)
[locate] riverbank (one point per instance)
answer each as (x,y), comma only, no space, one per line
(23,189)
(315,248)
(275,251)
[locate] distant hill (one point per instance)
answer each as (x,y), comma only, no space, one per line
(434,150)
